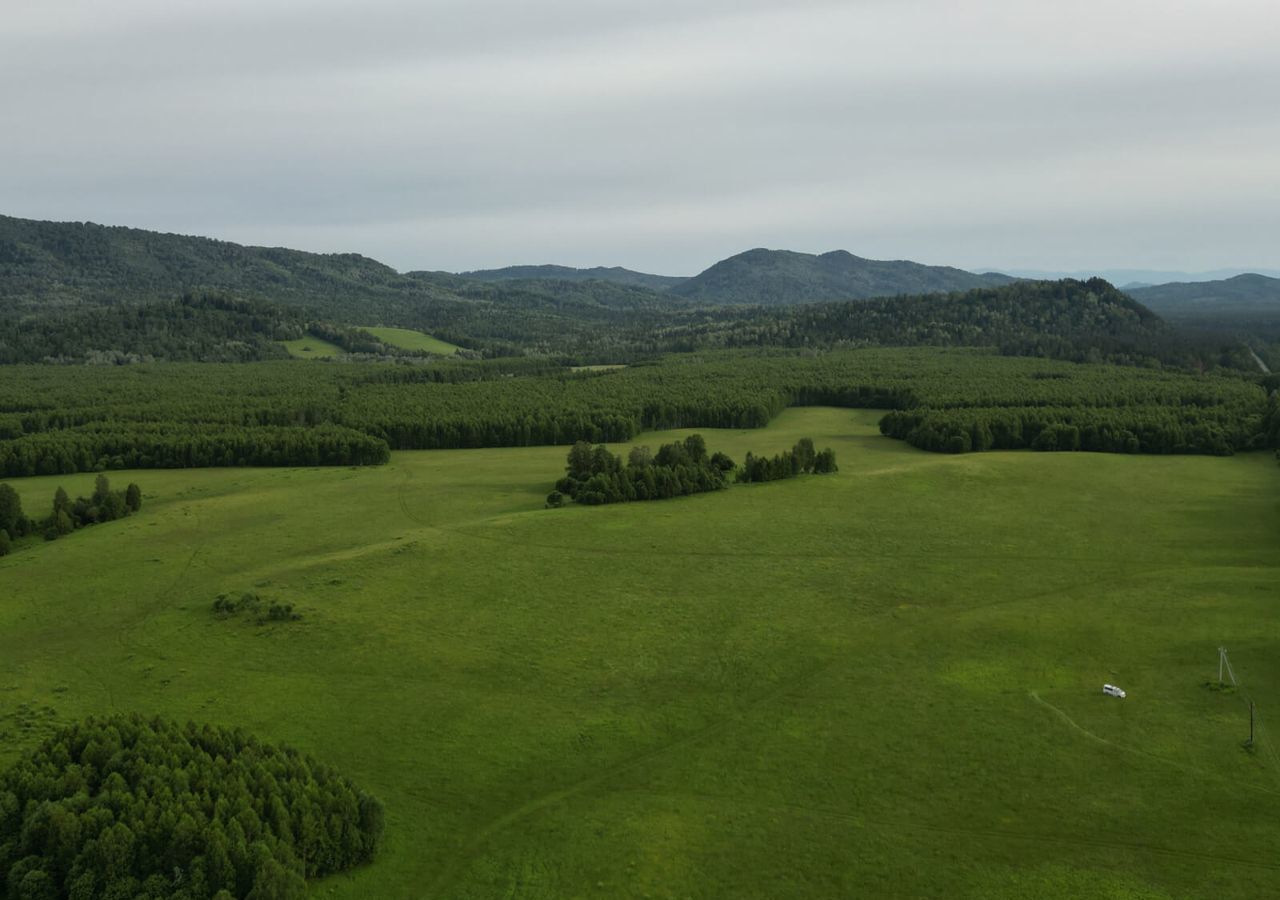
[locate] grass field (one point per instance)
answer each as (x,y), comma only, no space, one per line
(884,682)
(407,339)
(312,347)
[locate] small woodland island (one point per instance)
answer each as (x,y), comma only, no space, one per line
(596,475)
(127,808)
(105,505)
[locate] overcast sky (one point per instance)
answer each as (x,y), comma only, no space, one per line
(660,135)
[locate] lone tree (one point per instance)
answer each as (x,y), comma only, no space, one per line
(133,497)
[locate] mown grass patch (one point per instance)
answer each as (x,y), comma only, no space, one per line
(312,347)
(407,339)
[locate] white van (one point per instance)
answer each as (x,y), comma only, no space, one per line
(1112,691)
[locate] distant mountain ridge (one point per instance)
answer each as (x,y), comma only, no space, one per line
(615,274)
(763,277)
(1247,295)
(1140,277)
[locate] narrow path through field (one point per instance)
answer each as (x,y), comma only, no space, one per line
(1191,770)
(474,530)
(477,841)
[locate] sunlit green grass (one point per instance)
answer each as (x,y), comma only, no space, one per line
(312,347)
(885,682)
(407,339)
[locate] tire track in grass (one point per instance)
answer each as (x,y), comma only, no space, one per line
(468,851)
(125,635)
(1191,770)
(481,534)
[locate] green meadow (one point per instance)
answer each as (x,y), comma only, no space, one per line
(884,682)
(407,339)
(312,347)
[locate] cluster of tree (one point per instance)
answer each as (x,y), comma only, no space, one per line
(227,605)
(127,807)
(66,419)
(105,505)
(595,475)
(802,459)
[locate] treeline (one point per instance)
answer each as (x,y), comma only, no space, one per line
(56,419)
(802,459)
(596,475)
(147,445)
(1150,429)
(127,807)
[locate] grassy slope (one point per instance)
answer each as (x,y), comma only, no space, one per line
(312,347)
(884,682)
(407,339)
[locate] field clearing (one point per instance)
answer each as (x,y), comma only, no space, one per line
(407,339)
(884,682)
(312,347)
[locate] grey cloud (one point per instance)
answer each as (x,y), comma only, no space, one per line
(658,135)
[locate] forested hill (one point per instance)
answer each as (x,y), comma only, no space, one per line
(614,274)
(198,327)
(83,292)
(56,268)
(1244,296)
(1068,319)
(43,263)
(777,277)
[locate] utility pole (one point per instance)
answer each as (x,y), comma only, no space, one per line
(1250,744)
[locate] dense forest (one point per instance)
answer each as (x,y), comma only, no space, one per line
(1086,321)
(1081,321)
(197,327)
(67,419)
(127,807)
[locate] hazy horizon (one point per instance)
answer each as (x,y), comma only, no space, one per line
(661,136)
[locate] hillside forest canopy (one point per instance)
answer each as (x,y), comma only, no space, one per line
(79,292)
